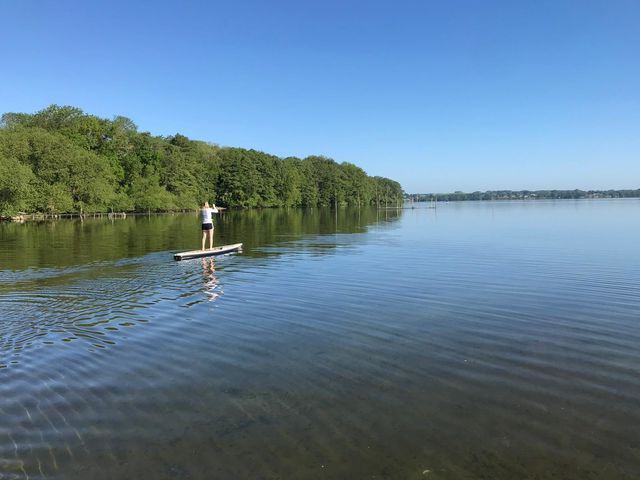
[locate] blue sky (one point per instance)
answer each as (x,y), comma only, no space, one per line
(441,96)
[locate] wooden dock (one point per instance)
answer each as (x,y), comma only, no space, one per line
(208,253)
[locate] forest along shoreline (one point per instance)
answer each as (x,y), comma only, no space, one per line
(61,161)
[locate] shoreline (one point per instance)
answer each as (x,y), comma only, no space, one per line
(406,205)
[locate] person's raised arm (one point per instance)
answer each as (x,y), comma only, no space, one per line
(214,209)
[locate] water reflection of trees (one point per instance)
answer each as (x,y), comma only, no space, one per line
(73,242)
(258,228)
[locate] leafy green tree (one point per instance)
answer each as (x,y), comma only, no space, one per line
(289,182)
(148,195)
(54,199)
(15,185)
(239,182)
(355,184)
(82,162)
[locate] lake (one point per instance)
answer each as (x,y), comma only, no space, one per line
(478,340)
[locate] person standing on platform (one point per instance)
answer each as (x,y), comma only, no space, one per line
(207,223)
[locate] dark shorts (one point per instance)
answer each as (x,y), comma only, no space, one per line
(207,226)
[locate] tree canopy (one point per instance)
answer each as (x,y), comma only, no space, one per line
(61,159)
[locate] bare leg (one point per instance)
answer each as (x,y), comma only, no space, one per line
(211,239)
(204,235)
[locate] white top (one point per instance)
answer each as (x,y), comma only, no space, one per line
(206,214)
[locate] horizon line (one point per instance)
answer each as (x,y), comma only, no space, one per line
(531,191)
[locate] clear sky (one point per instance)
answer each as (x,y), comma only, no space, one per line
(439,95)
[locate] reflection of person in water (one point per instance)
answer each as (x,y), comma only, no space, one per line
(211,285)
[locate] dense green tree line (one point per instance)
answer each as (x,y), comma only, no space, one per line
(62,160)
(522,195)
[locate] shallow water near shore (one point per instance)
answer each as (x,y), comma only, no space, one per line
(478,340)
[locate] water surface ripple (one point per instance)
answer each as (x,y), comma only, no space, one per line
(479,340)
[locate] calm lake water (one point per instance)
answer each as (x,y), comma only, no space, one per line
(481,340)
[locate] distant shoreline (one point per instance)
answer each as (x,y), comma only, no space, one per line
(521,195)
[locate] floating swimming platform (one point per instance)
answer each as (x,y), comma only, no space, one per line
(208,253)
